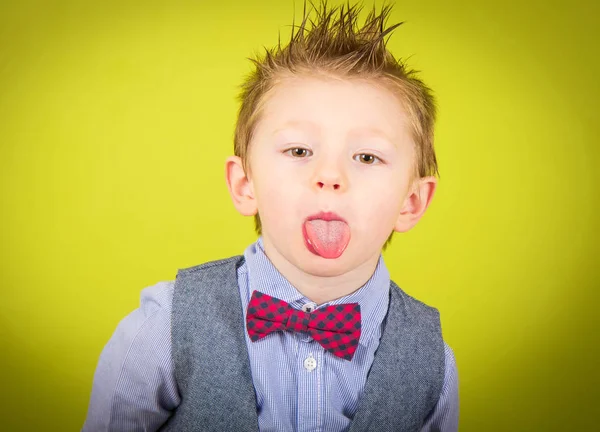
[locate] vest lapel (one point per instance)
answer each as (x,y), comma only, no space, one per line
(211,359)
(398,393)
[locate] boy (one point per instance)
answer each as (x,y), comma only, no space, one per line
(305,331)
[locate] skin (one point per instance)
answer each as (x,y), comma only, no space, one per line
(341,124)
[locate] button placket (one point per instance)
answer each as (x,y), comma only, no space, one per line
(310,361)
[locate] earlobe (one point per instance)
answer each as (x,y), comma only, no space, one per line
(416,203)
(240,188)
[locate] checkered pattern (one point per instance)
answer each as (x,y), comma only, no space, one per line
(336,328)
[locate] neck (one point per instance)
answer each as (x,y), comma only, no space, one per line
(322,289)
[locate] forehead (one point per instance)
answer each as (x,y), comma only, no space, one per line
(320,105)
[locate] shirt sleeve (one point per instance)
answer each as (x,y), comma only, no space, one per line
(444,417)
(134,386)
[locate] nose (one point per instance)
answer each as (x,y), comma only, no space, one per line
(323,185)
(329,175)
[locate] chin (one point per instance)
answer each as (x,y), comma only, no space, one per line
(323,267)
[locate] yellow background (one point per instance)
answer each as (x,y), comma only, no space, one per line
(115,121)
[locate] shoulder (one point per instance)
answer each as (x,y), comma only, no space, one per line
(214,265)
(412,307)
(194,284)
(205,286)
(450,363)
(421,326)
(157,297)
(153,315)
(156,302)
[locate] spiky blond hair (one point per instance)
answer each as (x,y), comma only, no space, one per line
(335,45)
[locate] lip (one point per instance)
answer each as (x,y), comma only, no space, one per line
(326,216)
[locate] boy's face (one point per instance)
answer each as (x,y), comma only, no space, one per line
(330,145)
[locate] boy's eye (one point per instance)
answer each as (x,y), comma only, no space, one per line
(368,159)
(365,158)
(298,152)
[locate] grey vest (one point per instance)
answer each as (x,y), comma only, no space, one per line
(213,374)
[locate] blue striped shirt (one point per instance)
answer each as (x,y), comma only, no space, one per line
(299,386)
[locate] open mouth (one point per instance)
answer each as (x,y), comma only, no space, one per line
(326,234)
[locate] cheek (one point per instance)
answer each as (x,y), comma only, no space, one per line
(278,197)
(381,203)
(273,189)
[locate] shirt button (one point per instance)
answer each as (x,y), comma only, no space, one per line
(309,307)
(310,363)
(306,338)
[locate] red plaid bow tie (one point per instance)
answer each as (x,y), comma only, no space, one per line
(336,328)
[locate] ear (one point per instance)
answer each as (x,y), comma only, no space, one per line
(240,188)
(415,203)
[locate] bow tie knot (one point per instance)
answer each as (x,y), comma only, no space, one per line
(337,328)
(297,320)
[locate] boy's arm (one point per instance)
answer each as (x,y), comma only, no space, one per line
(134,387)
(444,417)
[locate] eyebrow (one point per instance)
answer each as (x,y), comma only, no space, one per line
(296,124)
(362,131)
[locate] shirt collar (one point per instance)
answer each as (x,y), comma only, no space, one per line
(373,296)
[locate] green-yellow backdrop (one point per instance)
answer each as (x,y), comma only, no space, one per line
(115,121)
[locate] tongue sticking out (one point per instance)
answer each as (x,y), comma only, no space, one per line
(327,238)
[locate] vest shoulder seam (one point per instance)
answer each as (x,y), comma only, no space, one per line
(209,264)
(410,298)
